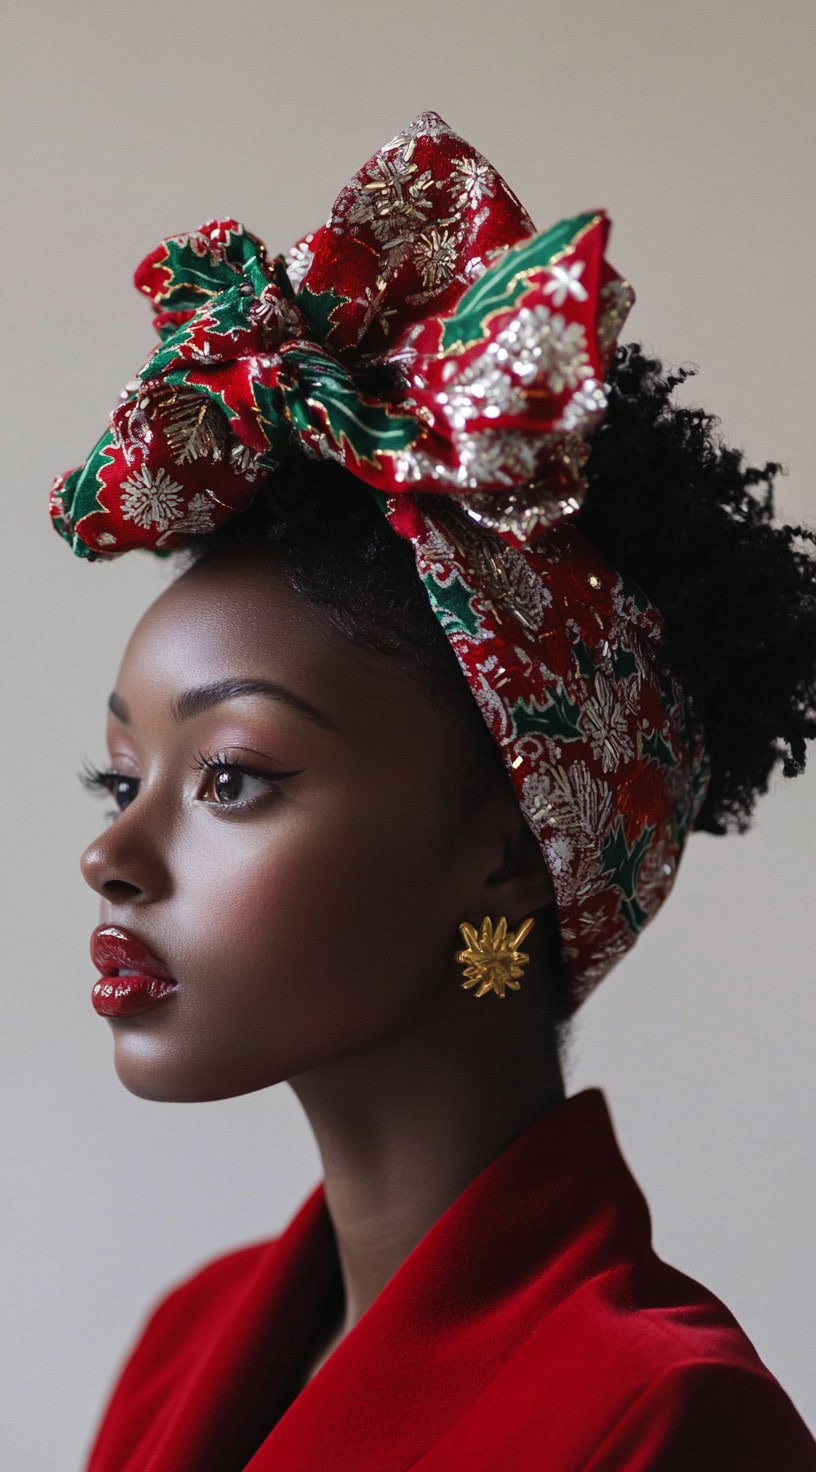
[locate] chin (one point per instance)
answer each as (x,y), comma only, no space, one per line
(175,1077)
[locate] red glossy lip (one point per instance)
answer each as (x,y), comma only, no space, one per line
(147,980)
(114,949)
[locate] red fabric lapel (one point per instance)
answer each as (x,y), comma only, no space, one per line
(211,1372)
(219,1353)
(519,1239)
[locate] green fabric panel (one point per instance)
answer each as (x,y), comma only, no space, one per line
(452,604)
(559,718)
(317,308)
(366,428)
(500,286)
(623,862)
(655,747)
(194,277)
(272,421)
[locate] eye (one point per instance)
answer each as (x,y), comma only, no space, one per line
(123,789)
(232,784)
(229,784)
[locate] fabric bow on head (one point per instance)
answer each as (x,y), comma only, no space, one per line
(425,337)
(431,342)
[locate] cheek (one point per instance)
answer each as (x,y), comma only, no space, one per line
(318,927)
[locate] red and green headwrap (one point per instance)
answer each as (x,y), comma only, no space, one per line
(453,359)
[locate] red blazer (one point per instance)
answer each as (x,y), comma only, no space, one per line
(532,1327)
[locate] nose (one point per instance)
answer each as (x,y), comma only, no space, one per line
(124,864)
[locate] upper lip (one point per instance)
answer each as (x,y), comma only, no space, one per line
(114,949)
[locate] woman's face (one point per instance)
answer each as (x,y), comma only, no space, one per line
(310,907)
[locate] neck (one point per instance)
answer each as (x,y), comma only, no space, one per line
(405,1124)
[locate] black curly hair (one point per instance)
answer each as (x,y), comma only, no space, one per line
(671,507)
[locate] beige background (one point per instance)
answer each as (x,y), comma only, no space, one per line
(693,124)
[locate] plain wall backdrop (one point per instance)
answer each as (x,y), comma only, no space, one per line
(694,126)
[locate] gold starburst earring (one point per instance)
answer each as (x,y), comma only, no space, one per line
(492,959)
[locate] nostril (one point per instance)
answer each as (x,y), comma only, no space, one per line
(119,889)
(122,867)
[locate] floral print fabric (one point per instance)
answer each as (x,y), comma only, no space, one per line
(453,359)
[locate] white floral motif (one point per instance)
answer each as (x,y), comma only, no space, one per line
(559,852)
(565,281)
(394,199)
(198,516)
(582,804)
(481,388)
(568,804)
(496,457)
(436,550)
(524,510)
(151,500)
(435,257)
(490,702)
(606,724)
(281,319)
(474,178)
(618,298)
(488,457)
(542,344)
(246,462)
(299,260)
(474,268)
(502,574)
(506,576)
(585,409)
(197,519)
(135,429)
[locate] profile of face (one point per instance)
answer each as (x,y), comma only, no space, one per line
(288,840)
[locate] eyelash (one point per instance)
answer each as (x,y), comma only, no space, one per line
(99,779)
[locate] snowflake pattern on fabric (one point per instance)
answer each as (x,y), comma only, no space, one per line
(298,259)
(493,341)
(473,180)
(565,281)
(151,499)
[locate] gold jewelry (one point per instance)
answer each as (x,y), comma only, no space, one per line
(492,958)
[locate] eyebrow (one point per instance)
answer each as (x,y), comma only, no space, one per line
(194,702)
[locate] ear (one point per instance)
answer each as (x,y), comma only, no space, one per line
(520,882)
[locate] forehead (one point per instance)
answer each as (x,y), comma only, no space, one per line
(236,617)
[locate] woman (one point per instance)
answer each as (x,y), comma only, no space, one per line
(476,627)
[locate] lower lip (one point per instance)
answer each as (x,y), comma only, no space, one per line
(126,996)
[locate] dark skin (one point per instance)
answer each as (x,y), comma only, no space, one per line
(312,929)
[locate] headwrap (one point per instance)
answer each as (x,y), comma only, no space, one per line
(453,359)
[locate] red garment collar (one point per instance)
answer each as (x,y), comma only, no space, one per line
(555,1207)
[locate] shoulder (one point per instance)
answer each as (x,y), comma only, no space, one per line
(188,1315)
(183,1323)
(649,1372)
(220,1290)
(711,1415)
(693,1390)
(205,1290)
(611,1398)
